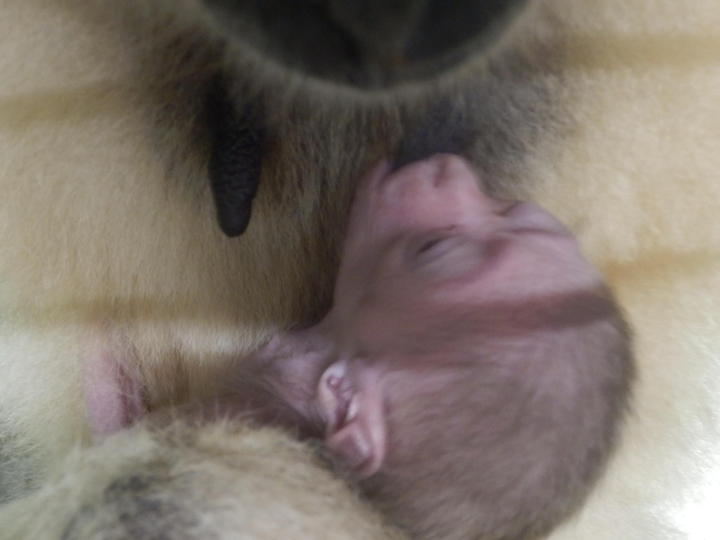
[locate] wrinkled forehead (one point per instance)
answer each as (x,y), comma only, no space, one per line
(545,312)
(464,326)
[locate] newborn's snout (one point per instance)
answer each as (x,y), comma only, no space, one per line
(443,180)
(437,171)
(442,191)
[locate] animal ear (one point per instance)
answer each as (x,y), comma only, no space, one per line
(356,429)
(237,144)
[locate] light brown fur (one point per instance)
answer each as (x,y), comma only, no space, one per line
(108,235)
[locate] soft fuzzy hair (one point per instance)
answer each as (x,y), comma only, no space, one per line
(605,112)
(217,481)
(506,438)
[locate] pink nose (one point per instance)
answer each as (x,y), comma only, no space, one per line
(443,172)
(438,170)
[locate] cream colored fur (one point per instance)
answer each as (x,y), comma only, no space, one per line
(108,242)
(220,481)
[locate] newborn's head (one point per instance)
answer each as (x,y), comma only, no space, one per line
(480,365)
(499,438)
(473,370)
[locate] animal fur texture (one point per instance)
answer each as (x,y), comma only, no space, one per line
(253,484)
(605,112)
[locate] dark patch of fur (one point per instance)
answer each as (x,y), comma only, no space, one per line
(16,468)
(370,44)
(139,506)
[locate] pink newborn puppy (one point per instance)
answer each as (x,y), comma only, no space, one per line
(473,371)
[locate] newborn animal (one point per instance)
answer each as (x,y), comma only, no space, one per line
(473,370)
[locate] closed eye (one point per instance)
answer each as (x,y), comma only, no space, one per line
(444,253)
(435,247)
(430,247)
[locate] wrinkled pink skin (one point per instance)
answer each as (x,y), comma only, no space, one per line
(422,242)
(426,237)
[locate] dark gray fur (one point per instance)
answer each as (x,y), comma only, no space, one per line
(16,467)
